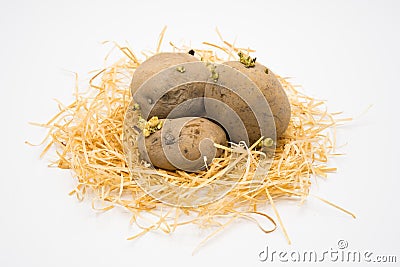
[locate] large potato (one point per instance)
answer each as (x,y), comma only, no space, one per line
(157,63)
(181,82)
(182,144)
(246,103)
(272,90)
(239,120)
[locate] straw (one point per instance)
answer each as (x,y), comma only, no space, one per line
(87,136)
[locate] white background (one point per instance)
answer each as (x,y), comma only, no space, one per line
(344,51)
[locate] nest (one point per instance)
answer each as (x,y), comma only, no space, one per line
(88,136)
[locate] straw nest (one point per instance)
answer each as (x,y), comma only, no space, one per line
(88,137)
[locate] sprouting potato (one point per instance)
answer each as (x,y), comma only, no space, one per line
(179,90)
(181,140)
(271,89)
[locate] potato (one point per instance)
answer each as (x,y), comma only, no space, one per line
(155,64)
(175,81)
(248,116)
(272,90)
(182,143)
(175,85)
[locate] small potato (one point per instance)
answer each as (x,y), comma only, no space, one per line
(180,81)
(183,143)
(272,91)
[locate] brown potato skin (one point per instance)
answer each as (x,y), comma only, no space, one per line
(239,107)
(177,95)
(157,63)
(189,140)
(273,92)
